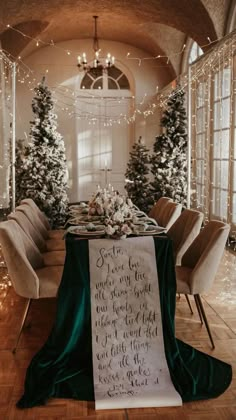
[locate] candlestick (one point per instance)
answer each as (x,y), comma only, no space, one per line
(106,170)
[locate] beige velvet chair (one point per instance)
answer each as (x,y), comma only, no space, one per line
(54,244)
(30,278)
(159,206)
(52,233)
(200,263)
(51,257)
(169,214)
(183,231)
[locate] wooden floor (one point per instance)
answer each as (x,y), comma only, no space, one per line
(220,305)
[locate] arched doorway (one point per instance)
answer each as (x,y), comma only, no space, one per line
(104,99)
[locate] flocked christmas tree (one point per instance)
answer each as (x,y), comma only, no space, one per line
(21,152)
(44,176)
(169,160)
(137,185)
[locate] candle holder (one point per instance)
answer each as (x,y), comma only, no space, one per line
(106,170)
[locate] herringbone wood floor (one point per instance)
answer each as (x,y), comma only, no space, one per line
(220,305)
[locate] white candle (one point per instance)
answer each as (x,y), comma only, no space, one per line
(105,164)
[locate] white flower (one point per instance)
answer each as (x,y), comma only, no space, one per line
(118,216)
(119,200)
(109,230)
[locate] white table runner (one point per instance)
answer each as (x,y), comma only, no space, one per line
(129,364)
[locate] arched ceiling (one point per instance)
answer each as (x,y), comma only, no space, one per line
(156,26)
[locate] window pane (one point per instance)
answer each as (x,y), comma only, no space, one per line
(112,84)
(234,175)
(86,82)
(98,84)
(219,203)
(200,123)
(200,146)
(200,190)
(217,116)
(123,82)
(224,174)
(223,204)
(226,83)
(96,72)
(114,72)
(221,144)
(200,170)
(220,174)
(217,87)
(225,112)
(234,209)
(200,95)
(216,173)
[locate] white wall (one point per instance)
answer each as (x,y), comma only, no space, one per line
(62,72)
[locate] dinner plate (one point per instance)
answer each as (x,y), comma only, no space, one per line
(157,230)
(91,233)
(82,231)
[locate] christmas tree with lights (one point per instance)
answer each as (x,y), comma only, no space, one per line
(137,183)
(44,177)
(169,158)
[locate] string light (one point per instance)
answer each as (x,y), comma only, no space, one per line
(144,108)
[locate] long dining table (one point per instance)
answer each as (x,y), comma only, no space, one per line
(63,367)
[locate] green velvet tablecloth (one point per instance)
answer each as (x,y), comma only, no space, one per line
(63,367)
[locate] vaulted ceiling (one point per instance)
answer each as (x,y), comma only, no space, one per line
(156,26)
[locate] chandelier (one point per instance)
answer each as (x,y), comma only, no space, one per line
(98,62)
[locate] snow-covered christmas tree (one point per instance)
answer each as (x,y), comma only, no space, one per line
(21,151)
(169,159)
(137,185)
(44,176)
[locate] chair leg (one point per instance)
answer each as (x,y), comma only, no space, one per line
(205,319)
(28,303)
(198,309)
(189,304)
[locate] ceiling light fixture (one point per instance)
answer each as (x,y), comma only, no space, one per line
(98,62)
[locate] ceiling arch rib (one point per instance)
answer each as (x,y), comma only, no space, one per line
(72,19)
(14,42)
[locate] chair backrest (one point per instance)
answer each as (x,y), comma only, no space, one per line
(21,257)
(183,232)
(34,219)
(29,229)
(35,208)
(169,215)
(158,206)
(204,255)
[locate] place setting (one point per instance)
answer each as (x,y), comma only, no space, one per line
(112,215)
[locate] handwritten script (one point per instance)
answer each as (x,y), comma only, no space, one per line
(128,351)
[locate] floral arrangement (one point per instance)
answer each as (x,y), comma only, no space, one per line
(117,212)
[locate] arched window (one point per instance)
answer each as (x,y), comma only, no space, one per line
(112,78)
(194,53)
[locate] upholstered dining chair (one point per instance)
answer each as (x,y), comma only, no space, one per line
(54,244)
(30,278)
(56,257)
(183,231)
(158,206)
(168,215)
(200,263)
(40,214)
(52,233)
